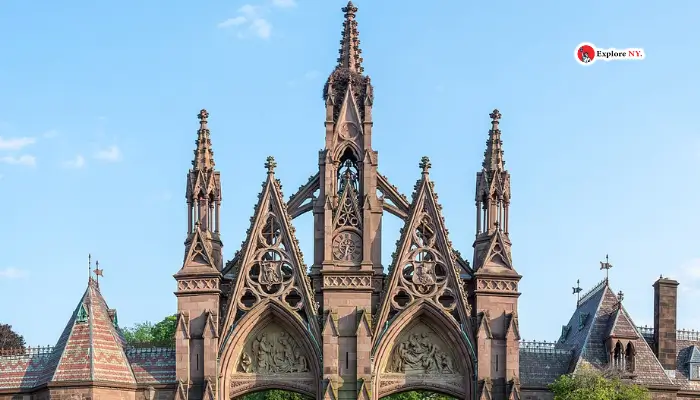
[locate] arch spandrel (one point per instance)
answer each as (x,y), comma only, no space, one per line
(423,349)
(270,349)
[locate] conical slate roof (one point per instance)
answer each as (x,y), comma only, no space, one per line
(91,347)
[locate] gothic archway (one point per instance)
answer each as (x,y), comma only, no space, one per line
(270,348)
(423,349)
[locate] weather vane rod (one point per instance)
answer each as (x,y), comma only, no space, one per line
(577,291)
(606,266)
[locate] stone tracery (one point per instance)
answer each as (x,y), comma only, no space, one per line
(347,242)
(271,273)
(424,271)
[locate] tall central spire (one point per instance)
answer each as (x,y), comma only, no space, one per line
(350,52)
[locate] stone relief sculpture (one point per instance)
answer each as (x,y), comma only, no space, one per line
(273,353)
(419,354)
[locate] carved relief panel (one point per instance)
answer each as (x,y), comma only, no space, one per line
(421,357)
(421,351)
(273,351)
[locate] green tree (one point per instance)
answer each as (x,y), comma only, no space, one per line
(164,332)
(161,334)
(275,395)
(592,385)
(418,395)
(9,339)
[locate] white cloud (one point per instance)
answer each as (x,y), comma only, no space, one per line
(77,162)
(26,160)
(250,21)
(50,134)
(261,28)
(233,22)
(284,3)
(249,10)
(16,143)
(12,273)
(110,154)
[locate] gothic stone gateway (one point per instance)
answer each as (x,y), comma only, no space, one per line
(345,329)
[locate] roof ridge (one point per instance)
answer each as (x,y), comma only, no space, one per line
(591,292)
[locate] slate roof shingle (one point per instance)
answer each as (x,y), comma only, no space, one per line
(91,348)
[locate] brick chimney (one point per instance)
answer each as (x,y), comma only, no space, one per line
(665,304)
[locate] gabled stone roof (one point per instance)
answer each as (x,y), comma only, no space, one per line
(598,316)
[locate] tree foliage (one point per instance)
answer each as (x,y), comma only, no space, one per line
(418,395)
(9,339)
(275,395)
(592,385)
(161,334)
(285,395)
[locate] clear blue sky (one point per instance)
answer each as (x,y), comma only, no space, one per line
(103,98)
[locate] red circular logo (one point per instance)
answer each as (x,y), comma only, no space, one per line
(585,53)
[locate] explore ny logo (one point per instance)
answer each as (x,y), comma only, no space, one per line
(588,53)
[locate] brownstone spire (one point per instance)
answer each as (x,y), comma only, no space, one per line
(203,154)
(493,156)
(350,52)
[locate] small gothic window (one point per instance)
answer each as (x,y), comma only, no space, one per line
(82,314)
(564,333)
(695,372)
(693,362)
(582,318)
(619,357)
(629,358)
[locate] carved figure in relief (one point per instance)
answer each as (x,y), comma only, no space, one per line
(246,363)
(419,355)
(271,272)
(280,354)
(424,273)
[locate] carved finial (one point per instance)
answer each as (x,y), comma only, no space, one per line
(495,116)
(349,10)
(350,42)
(89,266)
(203,153)
(493,156)
(425,164)
(620,296)
(270,164)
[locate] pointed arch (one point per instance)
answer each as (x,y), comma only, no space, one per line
(459,342)
(265,314)
(343,147)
